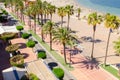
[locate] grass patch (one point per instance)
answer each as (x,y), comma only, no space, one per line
(110,69)
(54,53)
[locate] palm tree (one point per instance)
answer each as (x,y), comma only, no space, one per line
(7,3)
(20,6)
(69,11)
(28,13)
(78,11)
(117,46)
(94,19)
(61,12)
(34,12)
(48,28)
(45,10)
(111,22)
(51,10)
(64,36)
(40,12)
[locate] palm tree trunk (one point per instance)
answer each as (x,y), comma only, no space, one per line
(61,21)
(21,15)
(45,18)
(107,46)
(42,29)
(23,18)
(78,16)
(38,18)
(50,40)
(51,17)
(64,52)
(17,13)
(42,35)
(41,19)
(94,29)
(68,21)
(30,22)
(35,24)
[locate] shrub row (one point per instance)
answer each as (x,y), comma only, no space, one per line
(41,54)
(30,76)
(19,27)
(30,43)
(59,73)
(25,35)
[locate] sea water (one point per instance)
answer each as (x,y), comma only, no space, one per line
(105,6)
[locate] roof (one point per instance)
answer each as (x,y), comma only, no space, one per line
(8,29)
(13,73)
(39,68)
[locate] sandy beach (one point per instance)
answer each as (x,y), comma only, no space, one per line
(84,11)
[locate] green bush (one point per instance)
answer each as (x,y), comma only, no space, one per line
(30,76)
(17,61)
(25,35)
(19,28)
(41,54)
(30,43)
(33,77)
(59,73)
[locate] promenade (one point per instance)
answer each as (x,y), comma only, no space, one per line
(81,71)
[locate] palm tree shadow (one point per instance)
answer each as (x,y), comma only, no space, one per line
(90,39)
(91,63)
(25,55)
(59,23)
(22,45)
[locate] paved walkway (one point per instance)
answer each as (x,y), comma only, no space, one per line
(81,72)
(28,53)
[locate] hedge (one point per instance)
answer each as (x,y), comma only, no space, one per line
(19,27)
(25,35)
(41,54)
(59,73)
(30,43)
(30,76)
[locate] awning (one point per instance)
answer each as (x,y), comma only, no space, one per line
(8,29)
(13,73)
